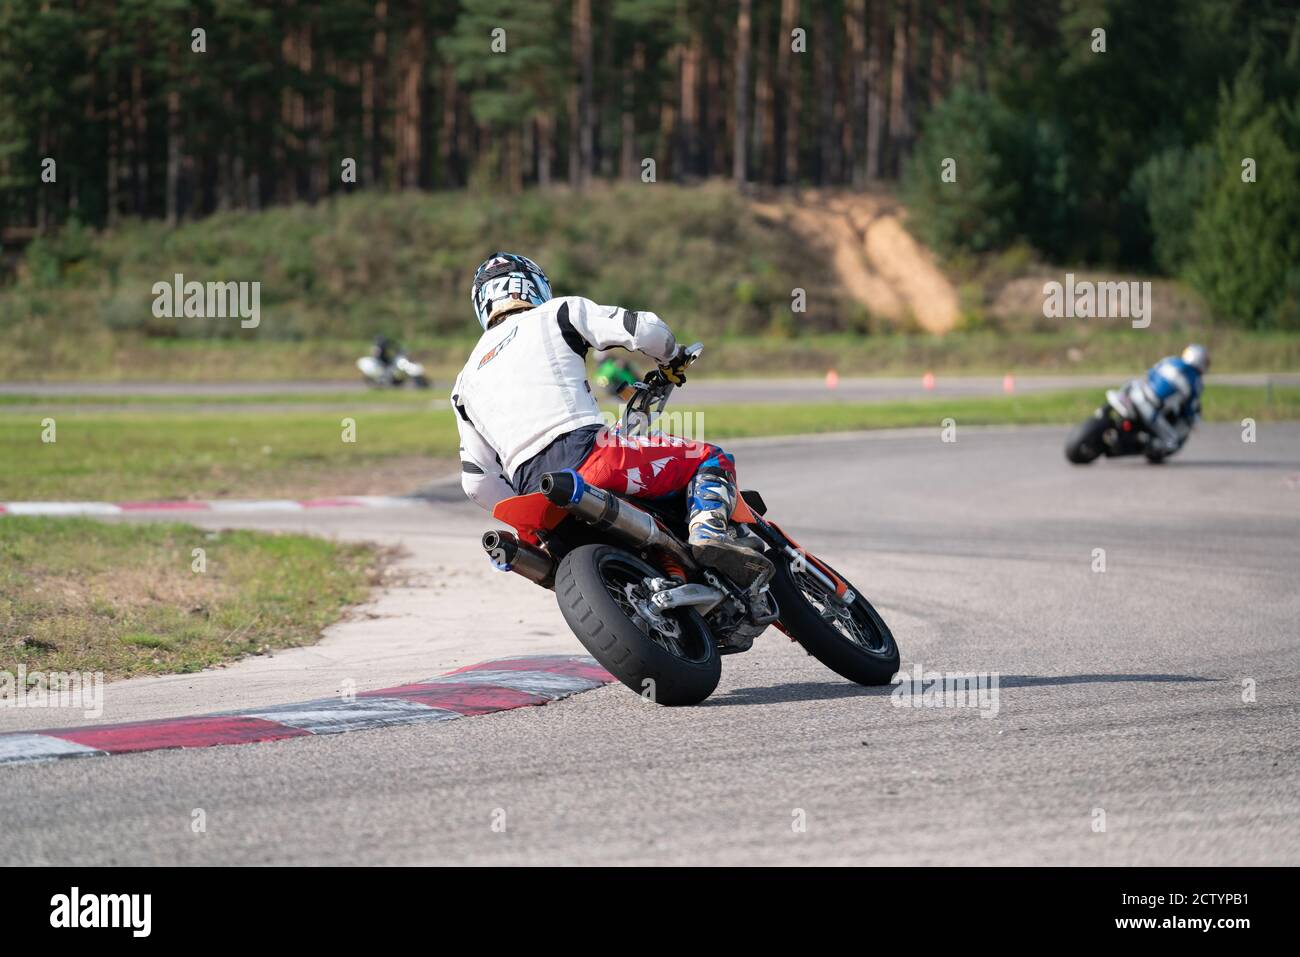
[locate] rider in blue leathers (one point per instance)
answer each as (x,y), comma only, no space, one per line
(1169,398)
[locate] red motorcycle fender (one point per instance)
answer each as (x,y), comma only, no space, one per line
(529,514)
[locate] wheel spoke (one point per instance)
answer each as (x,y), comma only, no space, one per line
(843,618)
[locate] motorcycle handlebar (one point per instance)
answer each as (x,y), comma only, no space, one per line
(655,379)
(654,388)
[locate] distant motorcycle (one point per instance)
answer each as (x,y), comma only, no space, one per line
(1115,429)
(402,370)
(617,378)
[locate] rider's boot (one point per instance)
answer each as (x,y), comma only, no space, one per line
(711,497)
(1164,438)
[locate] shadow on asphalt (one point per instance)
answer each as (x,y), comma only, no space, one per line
(827,690)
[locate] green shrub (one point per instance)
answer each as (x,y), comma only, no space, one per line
(1244,244)
(1171,186)
(53,259)
(977,212)
(1012,178)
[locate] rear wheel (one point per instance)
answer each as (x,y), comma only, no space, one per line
(850,638)
(1085,442)
(668,657)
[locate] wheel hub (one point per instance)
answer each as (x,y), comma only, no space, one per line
(646,610)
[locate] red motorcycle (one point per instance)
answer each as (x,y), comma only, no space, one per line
(632,593)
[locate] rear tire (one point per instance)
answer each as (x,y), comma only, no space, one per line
(1084,443)
(870,661)
(627,645)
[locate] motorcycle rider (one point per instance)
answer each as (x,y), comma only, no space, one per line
(524,407)
(1169,398)
(385,350)
(614,374)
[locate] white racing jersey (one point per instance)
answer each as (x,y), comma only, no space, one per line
(525,384)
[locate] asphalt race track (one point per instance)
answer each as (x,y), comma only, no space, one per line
(1123,732)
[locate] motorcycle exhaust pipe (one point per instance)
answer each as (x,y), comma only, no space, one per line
(509,553)
(607,511)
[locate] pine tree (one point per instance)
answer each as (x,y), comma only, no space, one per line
(1245,248)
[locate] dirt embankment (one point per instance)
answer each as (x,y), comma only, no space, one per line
(876,260)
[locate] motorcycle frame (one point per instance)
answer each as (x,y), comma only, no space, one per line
(1131,434)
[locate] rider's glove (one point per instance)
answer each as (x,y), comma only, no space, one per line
(674,370)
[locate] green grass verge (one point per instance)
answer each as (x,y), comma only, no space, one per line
(124,599)
(396,398)
(144,455)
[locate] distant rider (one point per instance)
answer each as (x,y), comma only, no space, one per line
(1169,398)
(614,374)
(386,350)
(524,407)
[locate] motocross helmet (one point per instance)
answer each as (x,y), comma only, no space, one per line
(505,282)
(1198,357)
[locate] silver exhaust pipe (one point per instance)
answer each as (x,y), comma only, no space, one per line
(509,553)
(607,511)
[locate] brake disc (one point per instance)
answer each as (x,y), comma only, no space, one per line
(647,612)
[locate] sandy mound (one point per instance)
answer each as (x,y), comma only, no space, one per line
(876,260)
